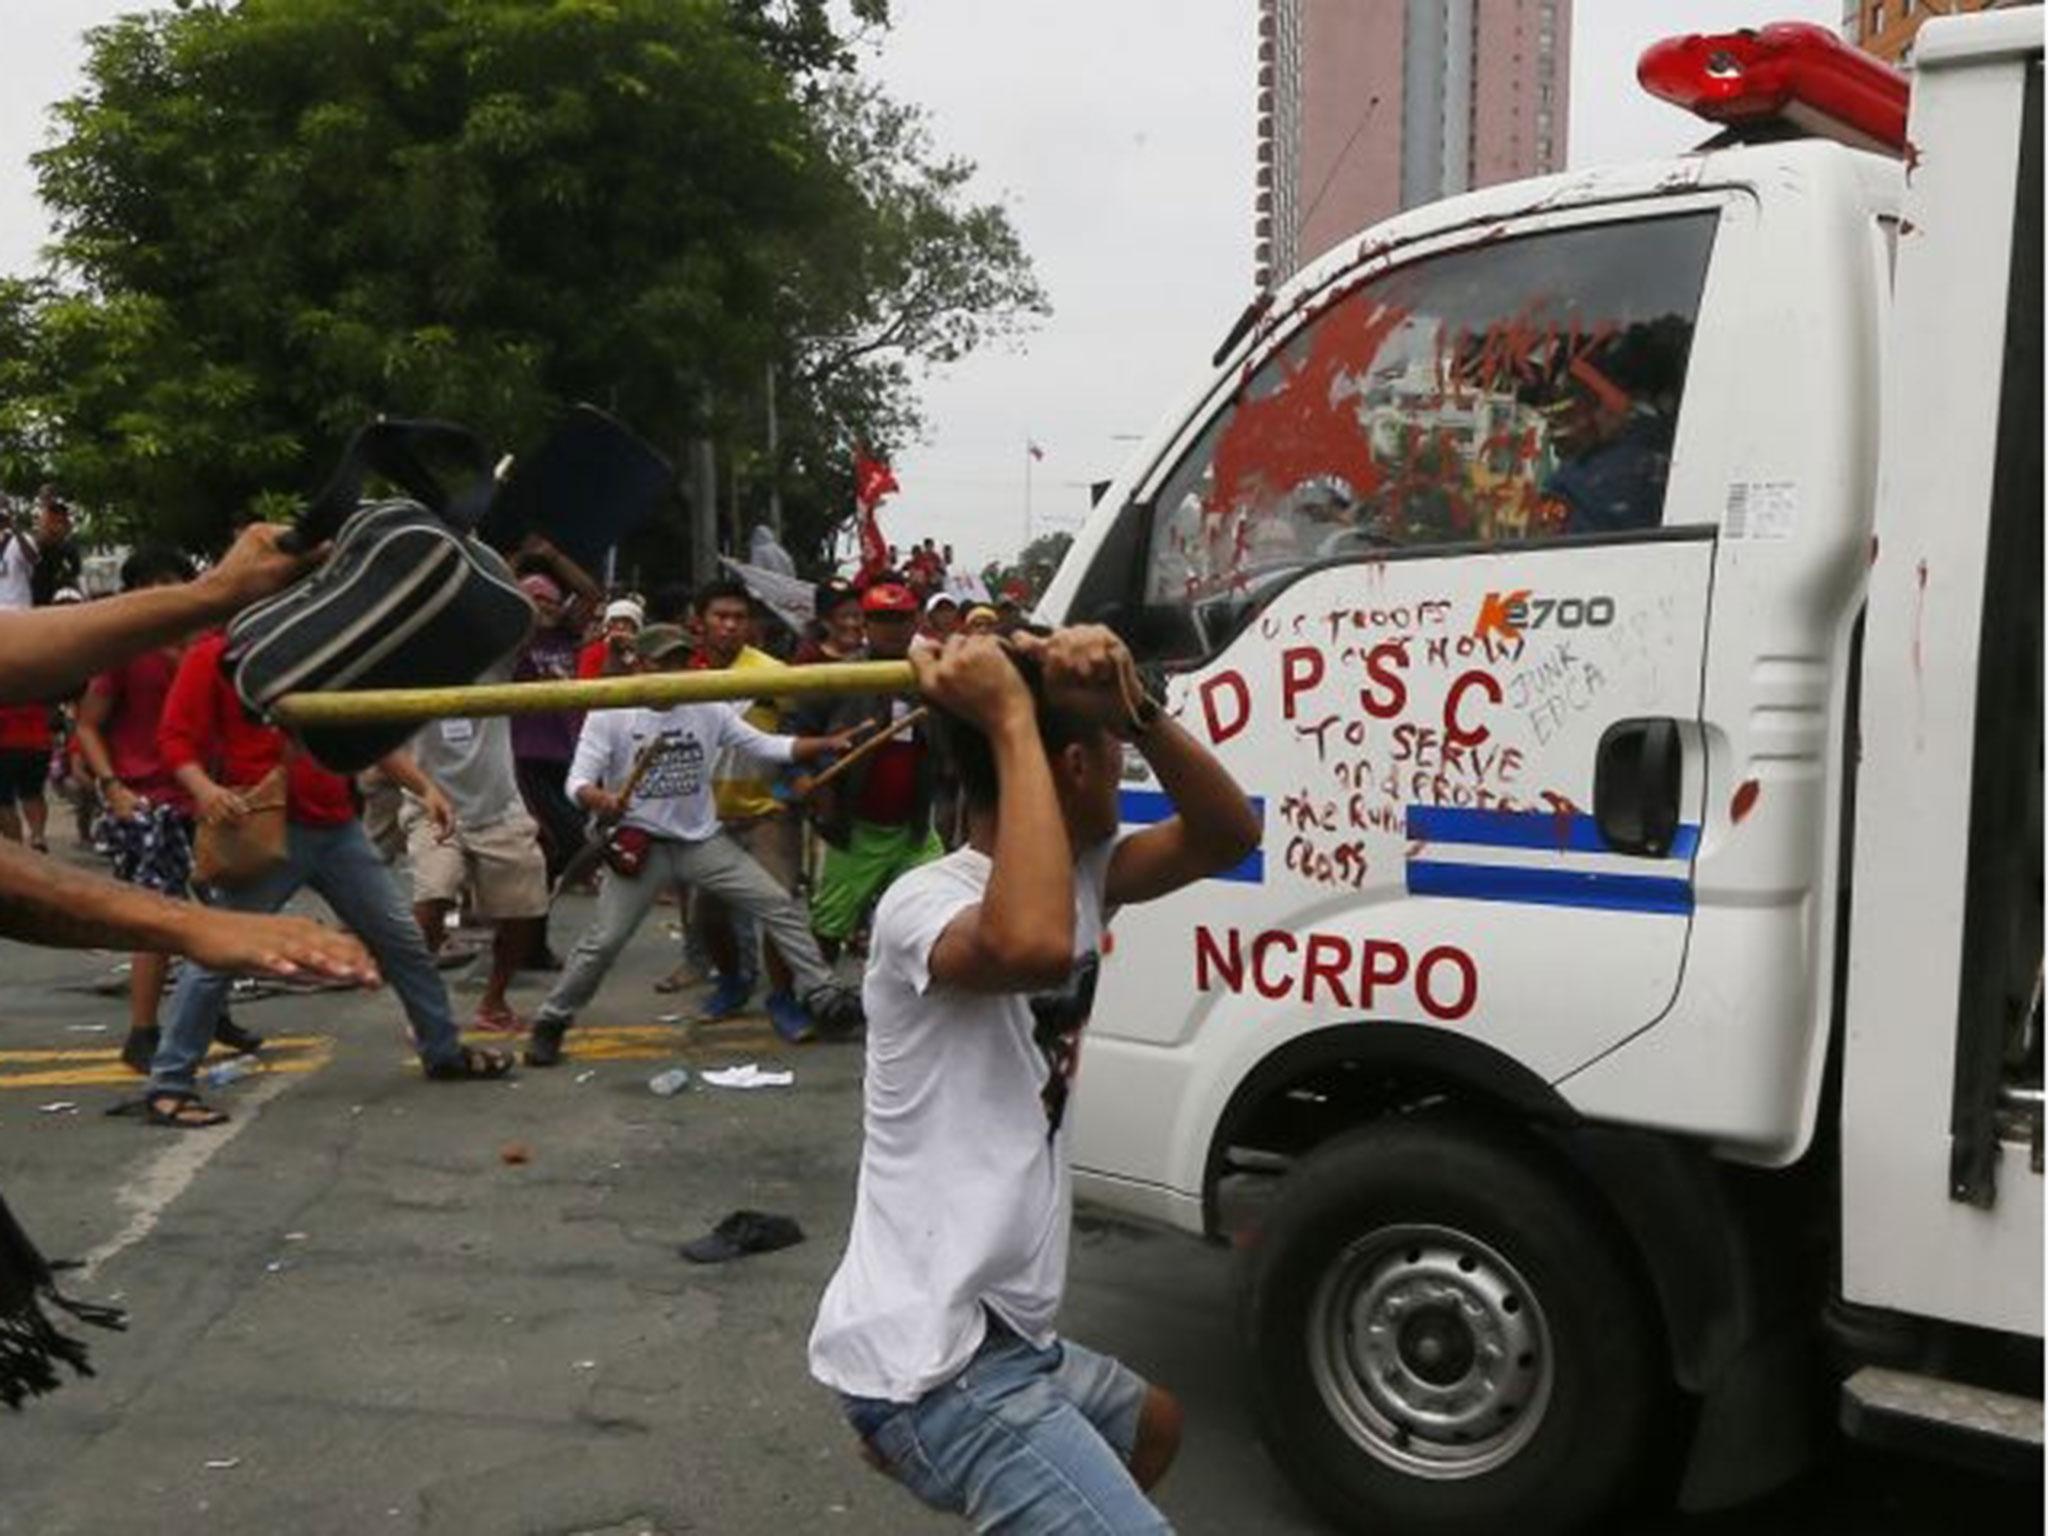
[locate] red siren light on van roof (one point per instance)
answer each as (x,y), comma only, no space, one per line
(1792,72)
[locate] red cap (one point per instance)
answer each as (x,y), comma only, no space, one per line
(888,597)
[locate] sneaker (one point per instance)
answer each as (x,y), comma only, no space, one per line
(728,997)
(837,1012)
(139,1050)
(787,1015)
(243,1042)
(544,1045)
(500,1020)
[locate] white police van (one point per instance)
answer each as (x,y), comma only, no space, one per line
(1622,594)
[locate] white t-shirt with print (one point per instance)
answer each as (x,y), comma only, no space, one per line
(965,1197)
(674,795)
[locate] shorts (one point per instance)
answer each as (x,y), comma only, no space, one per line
(23,772)
(1044,1435)
(152,848)
(855,875)
(501,864)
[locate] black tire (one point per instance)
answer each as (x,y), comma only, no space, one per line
(1396,1263)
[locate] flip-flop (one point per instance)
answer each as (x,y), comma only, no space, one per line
(187,1113)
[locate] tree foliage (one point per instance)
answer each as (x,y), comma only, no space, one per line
(1033,569)
(278,219)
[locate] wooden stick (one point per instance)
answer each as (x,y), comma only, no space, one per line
(588,856)
(864,751)
(650,690)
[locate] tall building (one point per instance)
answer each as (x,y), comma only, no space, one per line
(1367,107)
(1887,27)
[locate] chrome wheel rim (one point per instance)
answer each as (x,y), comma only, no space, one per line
(1431,1351)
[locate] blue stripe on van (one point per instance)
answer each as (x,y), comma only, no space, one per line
(1570,832)
(1550,887)
(1148,807)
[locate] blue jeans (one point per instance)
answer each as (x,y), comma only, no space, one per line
(1022,1441)
(341,866)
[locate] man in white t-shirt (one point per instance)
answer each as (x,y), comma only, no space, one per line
(671,825)
(938,1328)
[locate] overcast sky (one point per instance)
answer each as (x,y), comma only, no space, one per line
(1119,132)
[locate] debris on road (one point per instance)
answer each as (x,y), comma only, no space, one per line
(668,1084)
(515,1152)
(59,1107)
(742,1233)
(748,1076)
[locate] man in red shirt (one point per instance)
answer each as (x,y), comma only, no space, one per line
(216,751)
(148,821)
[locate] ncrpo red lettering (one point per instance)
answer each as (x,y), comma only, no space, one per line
(1377,976)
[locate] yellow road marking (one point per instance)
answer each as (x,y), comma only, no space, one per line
(656,1042)
(101,1067)
(113,1052)
(112,1074)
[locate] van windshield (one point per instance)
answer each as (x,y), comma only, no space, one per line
(1525,388)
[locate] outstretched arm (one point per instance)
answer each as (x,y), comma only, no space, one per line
(763,746)
(47,651)
(45,902)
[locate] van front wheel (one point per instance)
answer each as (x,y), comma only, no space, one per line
(1445,1339)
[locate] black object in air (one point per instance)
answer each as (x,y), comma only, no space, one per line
(589,485)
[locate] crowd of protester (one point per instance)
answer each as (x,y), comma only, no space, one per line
(777,826)
(480,823)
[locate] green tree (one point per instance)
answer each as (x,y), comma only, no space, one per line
(1033,569)
(276,220)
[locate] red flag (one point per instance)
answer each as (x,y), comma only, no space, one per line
(874,553)
(872,481)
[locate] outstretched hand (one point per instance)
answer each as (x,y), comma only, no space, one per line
(259,563)
(276,946)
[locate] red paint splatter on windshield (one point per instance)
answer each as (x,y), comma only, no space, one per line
(1306,427)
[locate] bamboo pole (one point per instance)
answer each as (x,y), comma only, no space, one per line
(649,690)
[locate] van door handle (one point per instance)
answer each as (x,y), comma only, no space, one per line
(1638,775)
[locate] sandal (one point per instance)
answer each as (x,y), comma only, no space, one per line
(185,1112)
(476,1064)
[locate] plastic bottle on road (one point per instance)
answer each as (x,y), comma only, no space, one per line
(233,1070)
(668,1084)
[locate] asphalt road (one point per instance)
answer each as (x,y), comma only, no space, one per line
(352,1314)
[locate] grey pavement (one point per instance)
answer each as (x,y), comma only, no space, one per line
(354,1314)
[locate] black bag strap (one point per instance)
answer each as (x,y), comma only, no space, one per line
(415,455)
